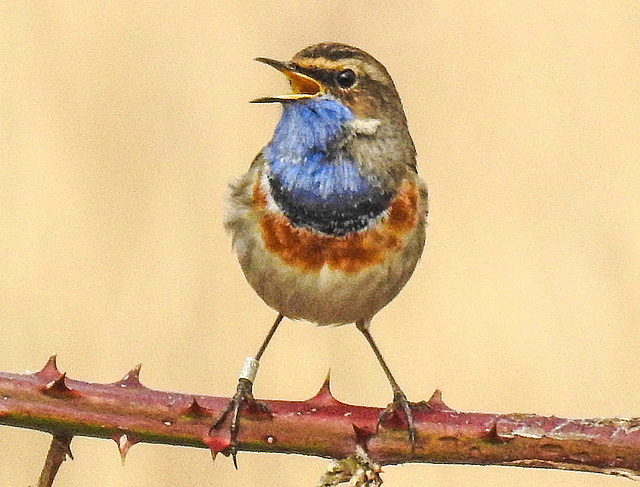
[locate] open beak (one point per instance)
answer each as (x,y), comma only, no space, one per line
(302,86)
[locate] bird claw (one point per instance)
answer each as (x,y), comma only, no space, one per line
(401,409)
(242,400)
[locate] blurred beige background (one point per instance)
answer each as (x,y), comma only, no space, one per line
(121,125)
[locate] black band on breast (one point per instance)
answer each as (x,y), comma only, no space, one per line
(336,219)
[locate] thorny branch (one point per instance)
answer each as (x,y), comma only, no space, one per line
(128,412)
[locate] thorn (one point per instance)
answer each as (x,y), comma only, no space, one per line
(323,397)
(132,379)
(195,410)
(58,388)
(217,444)
(124,442)
(50,370)
(436,403)
(69,454)
(64,442)
(493,436)
(363,435)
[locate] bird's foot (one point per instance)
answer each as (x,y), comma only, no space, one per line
(244,401)
(401,411)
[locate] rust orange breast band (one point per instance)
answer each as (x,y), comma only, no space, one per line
(310,251)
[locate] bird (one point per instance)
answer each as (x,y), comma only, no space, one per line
(329,222)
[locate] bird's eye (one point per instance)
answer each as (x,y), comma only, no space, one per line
(346,78)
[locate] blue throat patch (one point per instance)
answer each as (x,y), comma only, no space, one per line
(313,180)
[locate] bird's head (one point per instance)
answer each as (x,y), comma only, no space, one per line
(343,72)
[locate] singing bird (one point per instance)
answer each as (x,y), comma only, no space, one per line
(329,222)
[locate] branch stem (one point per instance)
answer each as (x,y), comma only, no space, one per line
(59,450)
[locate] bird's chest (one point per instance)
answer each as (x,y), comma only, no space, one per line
(311,176)
(324,193)
(317,206)
(299,244)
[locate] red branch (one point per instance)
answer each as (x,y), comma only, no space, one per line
(128,412)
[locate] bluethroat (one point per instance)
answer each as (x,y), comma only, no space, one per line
(329,221)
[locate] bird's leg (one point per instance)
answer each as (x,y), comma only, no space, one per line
(400,404)
(244,395)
